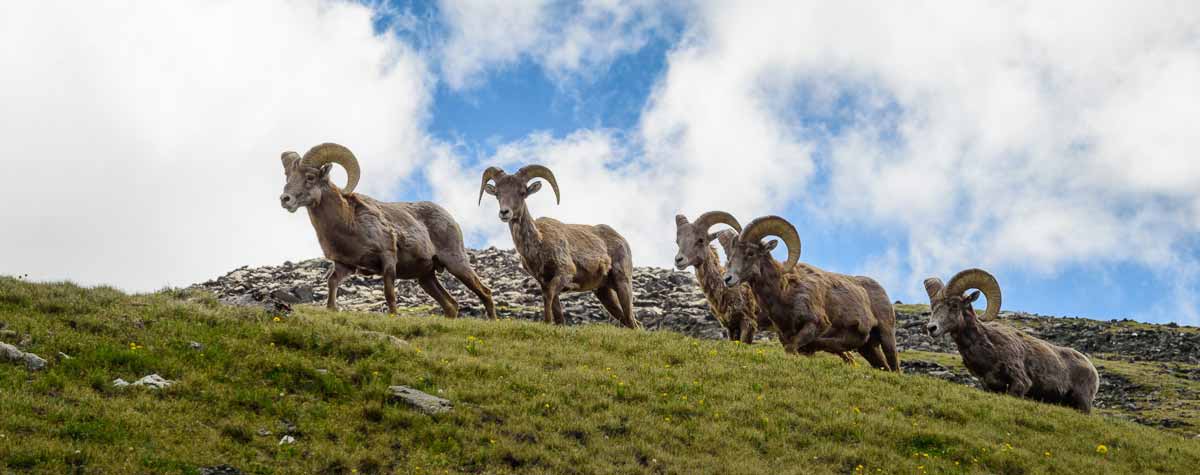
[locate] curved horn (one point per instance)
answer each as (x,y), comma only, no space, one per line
(707,220)
(775,226)
(529,172)
(933,285)
(334,153)
(488,175)
(977,279)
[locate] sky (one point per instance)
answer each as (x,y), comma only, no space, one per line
(1052,143)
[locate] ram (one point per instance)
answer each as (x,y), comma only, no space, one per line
(812,309)
(409,240)
(735,307)
(563,257)
(1005,359)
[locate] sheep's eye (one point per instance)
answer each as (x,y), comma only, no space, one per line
(310,177)
(700,241)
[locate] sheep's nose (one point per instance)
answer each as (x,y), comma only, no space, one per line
(931,328)
(728,279)
(679,259)
(505,212)
(285,199)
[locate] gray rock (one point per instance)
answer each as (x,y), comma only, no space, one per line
(220,470)
(12,354)
(153,381)
(397,342)
(195,345)
(420,401)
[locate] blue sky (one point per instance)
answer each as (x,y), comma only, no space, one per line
(902,141)
(522,97)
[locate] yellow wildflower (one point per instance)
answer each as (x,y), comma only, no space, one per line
(1101,449)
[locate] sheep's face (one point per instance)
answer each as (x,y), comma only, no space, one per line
(746,263)
(304,184)
(949,313)
(510,192)
(692,242)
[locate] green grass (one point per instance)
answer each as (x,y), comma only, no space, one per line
(529,398)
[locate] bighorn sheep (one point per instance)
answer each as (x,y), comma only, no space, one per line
(735,307)
(812,309)
(1005,359)
(563,257)
(409,240)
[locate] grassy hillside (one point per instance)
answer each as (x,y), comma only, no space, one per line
(528,397)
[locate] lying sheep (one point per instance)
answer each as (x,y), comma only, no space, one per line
(1005,359)
(359,234)
(559,256)
(812,309)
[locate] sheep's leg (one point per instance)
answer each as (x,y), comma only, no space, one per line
(733,332)
(465,274)
(624,290)
(746,331)
(887,339)
(609,299)
(434,288)
(764,319)
(1081,402)
(874,355)
(557,307)
(806,336)
(336,275)
(550,293)
(1019,386)
(389,286)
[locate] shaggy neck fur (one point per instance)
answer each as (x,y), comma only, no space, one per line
(710,274)
(971,334)
(333,216)
(768,288)
(525,234)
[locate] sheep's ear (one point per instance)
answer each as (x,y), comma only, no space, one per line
(289,160)
(489,189)
(533,188)
(933,285)
(325,169)
(971,297)
(726,238)
(770,245)
(680,220)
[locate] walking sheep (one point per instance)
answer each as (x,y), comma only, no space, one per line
(812,309)
(408,240)
(1005,359)
(735,307)
(563,257)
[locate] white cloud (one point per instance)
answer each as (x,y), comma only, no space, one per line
(142,140)
(1023,135)
(568,39)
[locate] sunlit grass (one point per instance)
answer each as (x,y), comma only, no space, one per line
(529,398)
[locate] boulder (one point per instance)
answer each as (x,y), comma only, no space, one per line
(420,401)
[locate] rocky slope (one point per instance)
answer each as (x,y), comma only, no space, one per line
(671,300)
